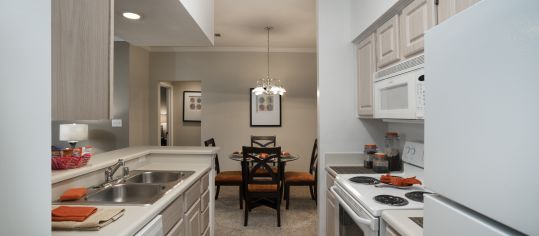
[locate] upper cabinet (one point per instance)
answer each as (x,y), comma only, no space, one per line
(82,55)
(415,20)
(448,8)
(387,43)
(366,64)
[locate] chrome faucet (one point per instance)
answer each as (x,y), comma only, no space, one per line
(109,172)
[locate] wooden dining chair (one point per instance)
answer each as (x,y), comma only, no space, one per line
(262,190)
(294,178)
(263,141)
(225,178)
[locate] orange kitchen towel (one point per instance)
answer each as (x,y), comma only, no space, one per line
(73,194)
(67,213)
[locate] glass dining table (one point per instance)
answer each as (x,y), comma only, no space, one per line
(284,159)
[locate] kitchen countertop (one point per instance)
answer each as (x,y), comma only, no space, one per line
(103,160)
(135,217)
(400,221)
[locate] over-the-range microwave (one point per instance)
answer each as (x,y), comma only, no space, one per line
(399,91)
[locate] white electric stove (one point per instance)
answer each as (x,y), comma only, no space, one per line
(361,204)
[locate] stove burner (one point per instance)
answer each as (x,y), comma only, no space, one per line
(416,195)
(365,180)
(391,200)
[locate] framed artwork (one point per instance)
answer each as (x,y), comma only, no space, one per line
(192,106)
(265,110)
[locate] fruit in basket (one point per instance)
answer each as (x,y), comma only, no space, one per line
(263,155)
(285,154)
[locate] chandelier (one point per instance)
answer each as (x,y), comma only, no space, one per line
(268,85)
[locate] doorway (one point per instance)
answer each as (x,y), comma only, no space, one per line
(165,131)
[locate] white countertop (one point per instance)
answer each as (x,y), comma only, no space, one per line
(135,217)
(102,160)
(399,220)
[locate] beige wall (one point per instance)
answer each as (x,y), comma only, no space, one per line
(185,133)
(139,83)
(226,78)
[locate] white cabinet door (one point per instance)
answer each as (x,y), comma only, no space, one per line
(331,215)
(415,19)
(448,8)
(192,220)
(178,229)
(387,43)
(153,228)
(366,60)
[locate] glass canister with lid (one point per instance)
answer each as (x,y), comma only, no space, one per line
(392,145)
(369,150)
(380,164)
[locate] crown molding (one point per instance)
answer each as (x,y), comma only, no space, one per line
(230,49)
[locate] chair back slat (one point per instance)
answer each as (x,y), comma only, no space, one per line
(211,143)
(263,141)
(250,175)
(314,158)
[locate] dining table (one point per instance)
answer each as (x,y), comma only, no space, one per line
(236,156)
(288,157)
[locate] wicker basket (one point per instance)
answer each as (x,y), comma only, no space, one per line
(69,162)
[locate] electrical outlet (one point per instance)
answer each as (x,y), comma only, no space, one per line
(117,123)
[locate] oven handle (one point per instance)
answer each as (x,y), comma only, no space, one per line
(351,212)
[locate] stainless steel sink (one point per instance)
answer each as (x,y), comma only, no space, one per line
(140,187)
(158,177)
(128,193)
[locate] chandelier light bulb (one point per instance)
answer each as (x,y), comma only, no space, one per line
(268,85)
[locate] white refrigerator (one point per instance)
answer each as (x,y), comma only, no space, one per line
(482,121)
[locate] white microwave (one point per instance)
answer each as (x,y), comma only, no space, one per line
(399,91)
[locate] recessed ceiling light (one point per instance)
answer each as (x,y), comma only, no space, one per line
(131,15)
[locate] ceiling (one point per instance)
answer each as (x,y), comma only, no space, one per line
(163,23)
(240,22)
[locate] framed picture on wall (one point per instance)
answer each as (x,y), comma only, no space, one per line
(192,106)
(265,110)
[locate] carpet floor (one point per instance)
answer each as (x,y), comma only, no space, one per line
(300,220)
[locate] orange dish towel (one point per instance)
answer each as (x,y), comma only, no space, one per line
(73,194)
(67,213)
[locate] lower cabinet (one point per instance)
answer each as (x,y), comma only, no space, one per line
(204,211)
(192,220)
(178,229)
(189,214)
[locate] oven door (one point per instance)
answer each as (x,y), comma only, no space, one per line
(400,96)
(353,219)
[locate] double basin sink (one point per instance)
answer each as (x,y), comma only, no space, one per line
(140,187)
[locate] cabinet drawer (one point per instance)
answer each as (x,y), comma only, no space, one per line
(205,182)
(178,229)
(172,214)
(192,195)
(205,220)
(205,200)
(329,180)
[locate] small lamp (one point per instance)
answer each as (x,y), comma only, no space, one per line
(72,133)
